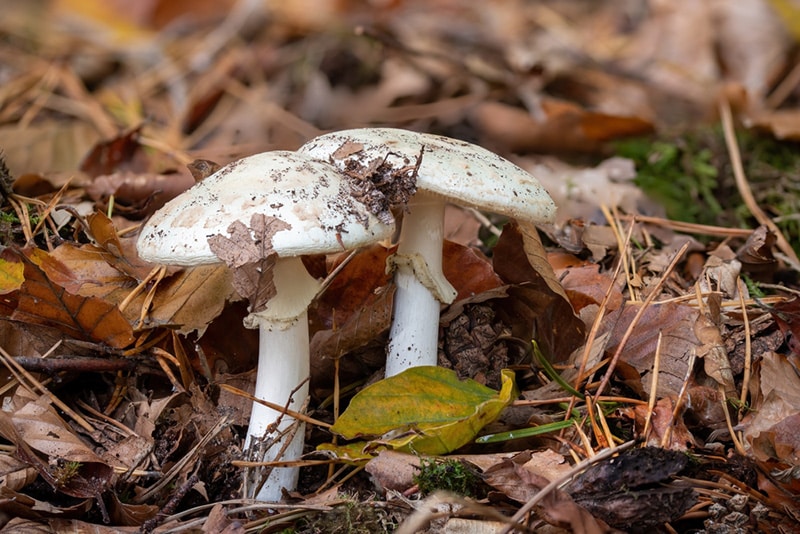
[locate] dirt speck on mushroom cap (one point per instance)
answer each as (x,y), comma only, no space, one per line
(309,195)
(462,172)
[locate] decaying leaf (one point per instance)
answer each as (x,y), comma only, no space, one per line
(513,479)
(674,322)
(715,357)
(776,402)
(519,258)
(248,252)
(42,301)
(11,272)
(427,410)
(69,466)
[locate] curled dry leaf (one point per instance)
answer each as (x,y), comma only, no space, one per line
(776,397)
(663,424)
(519,258)
(715,357)
(756,254)
(71,466)
(202,168)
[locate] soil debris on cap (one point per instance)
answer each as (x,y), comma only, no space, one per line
(381,184)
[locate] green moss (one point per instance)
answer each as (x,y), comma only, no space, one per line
(679,174)
(448,474)
(692,177)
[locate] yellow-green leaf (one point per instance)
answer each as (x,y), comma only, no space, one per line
(426,410)
(11,277)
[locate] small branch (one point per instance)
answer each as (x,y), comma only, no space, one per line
(742,185)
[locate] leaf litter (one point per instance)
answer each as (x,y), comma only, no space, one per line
(678,334)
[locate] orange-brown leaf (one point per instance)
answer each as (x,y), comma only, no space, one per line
(42,301)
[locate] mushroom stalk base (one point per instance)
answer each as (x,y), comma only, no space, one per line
(283,371)
(414,334)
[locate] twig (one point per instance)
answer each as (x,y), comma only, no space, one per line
(744,187)
(34,385)
(690,228)
(191,456)
(277,407)
(169,508)
(629,332)
(748,350)
(651,402)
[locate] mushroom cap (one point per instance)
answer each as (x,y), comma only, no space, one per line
(310,195)
(464,173)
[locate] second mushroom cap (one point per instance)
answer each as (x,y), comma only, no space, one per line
(462,172)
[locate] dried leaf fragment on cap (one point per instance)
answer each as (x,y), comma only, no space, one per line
(249,253)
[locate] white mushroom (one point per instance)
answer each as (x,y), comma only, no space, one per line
(449,170)
(317,215)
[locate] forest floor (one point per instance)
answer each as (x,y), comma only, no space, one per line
(631,365)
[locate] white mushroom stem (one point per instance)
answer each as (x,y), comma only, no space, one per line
(421,286)
(283,365)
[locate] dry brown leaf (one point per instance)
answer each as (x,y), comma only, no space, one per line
(777,397)
(715,357)
(519,258)
(19,505)
(47,147)
(16,474)
(662,424)
(138,194)
(783,124)
(189,300)
(354,285)
(362,327)
(756,254)
(469,271)
(392,470)
(721,273)
(126,514)
(18,525)
(781,441)
(218,522)
(566,127)
(71,466)
(249,254)
(675,323)
(44,302)
(585,285)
